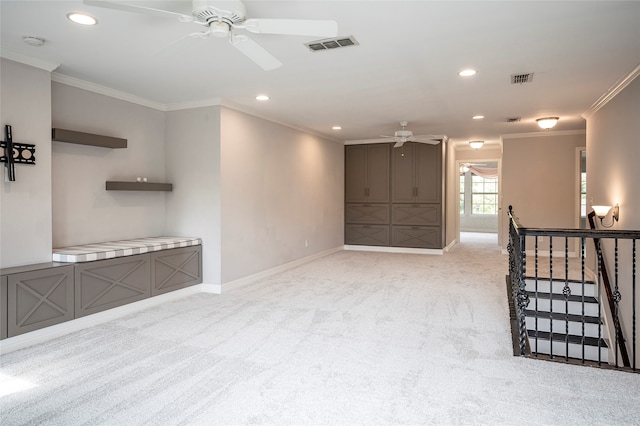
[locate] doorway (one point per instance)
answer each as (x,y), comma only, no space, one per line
(479,198)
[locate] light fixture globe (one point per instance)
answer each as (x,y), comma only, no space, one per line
(547,122)
(476,144)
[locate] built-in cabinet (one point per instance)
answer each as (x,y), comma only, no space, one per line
(406,209)
(38,296)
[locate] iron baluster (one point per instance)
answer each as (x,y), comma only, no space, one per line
(551,297)
(616,299)
(582,254)
(566,291)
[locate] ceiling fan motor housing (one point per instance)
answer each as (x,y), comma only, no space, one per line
(210,11)
(403,133)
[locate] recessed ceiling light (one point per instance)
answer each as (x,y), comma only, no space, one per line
(478,117)
(467,73)
(337,128)
(82,18)
(262,97)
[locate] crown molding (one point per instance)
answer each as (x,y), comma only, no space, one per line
(27,60)
(612,92)
(107,91)
(546,133)
(117,94)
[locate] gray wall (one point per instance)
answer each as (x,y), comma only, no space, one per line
(193,166)
(280,188)
(83,211)
(613,157)
(539,180)
(25,205)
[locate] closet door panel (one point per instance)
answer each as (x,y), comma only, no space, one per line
(403,187)
(355,160)
(378,173)
(428,174)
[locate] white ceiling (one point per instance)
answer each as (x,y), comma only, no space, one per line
(405,67)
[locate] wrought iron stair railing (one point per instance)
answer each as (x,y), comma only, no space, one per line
(559,312)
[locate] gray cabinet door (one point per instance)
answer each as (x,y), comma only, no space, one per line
(416,236)
(367,213)
(175,269)
(367,173)
(416,214)
(416,174)
(428,173)
(368,235)
(106,284)
(39,299)
(3,307)
(378,173)
(355,173)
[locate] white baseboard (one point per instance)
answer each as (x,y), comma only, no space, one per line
(448,248)
(48,333)
(231,285)
(384,249)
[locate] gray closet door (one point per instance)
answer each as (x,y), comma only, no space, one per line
(378,173)
(106,284)
(428,174)
(38,299)
(403,188)
(3,307)
(367,173)
(175,269)
(355,160)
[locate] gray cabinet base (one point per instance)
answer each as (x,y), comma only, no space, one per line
(175,269)
(39,299)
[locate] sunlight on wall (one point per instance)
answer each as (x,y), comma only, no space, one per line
(9,385)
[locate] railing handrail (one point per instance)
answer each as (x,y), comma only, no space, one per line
(570,232)
(596,235)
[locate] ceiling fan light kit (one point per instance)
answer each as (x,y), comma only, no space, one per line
(221,18)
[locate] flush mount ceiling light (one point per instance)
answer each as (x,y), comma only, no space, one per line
(82,18)
(547,122)
(476,144)
(262,97)
(478,117)
(337,127)
(467,73)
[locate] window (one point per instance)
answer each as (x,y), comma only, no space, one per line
(484,195)
(462,194)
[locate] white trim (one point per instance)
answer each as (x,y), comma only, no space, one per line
(117,94)
(107,91)
(241,282)
(450,246)
(211,288)
(545,133)
(48,333)
(612,92)
(385,249)
(27,60)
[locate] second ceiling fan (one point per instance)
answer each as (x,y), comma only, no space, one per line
(222,18)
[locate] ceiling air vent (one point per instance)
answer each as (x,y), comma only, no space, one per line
(513,119)
(331,43)
(521,78)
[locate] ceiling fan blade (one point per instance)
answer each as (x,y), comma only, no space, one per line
(180,45)
(398,144)
(301,27)
(429,141)
(128,7)
(255,52)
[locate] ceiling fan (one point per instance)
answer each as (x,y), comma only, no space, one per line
(400,137)
(222,18)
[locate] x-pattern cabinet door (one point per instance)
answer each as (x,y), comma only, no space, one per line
(39,299)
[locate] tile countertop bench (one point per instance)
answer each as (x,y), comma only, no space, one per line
(113,249)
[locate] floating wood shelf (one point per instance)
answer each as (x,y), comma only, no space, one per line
(138,186)
(70,136)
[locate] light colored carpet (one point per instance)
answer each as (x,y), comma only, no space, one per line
(352,338)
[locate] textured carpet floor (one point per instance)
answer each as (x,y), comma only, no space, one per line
(352,338)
